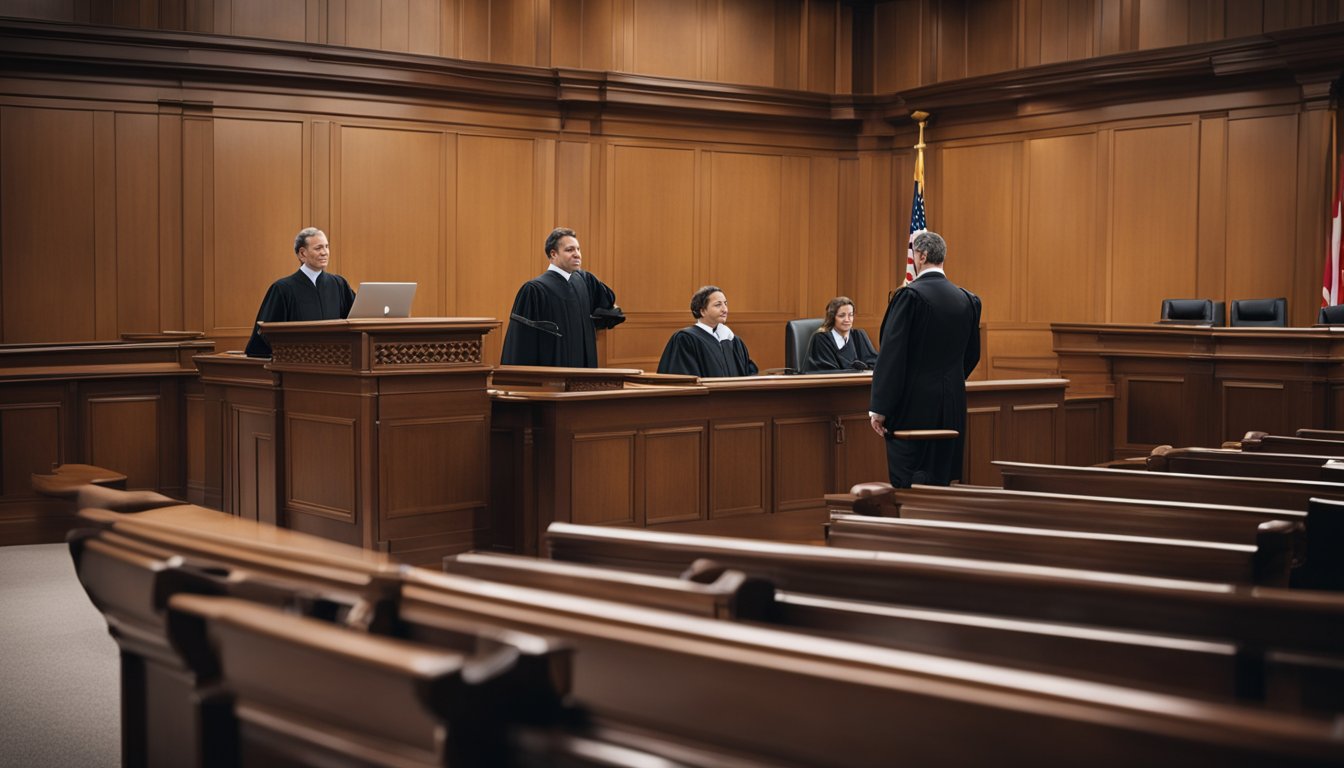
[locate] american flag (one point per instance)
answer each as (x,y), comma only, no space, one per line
(917,222)
(1330,287)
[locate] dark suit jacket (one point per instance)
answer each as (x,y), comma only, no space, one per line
(930,344)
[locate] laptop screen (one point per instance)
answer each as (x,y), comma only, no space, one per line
(383,300)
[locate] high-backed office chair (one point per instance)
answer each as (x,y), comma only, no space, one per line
(1260,312)
(797,334)
(1192,311)
(1332,315)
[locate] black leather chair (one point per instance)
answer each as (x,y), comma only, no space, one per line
(797,334)
(1332,315)
(1269,313)
(1192,312)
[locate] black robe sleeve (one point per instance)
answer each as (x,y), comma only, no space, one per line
(604,312)
(528,346)
(863,347)
(744,361)
(683,354)
(822,354)
(277,306)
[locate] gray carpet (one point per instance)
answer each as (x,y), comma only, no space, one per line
(59,700)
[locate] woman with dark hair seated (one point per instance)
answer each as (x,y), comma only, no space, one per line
(708,348)
(838,345)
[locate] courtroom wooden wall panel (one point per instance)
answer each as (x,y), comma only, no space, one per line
(499,241)
(746,255)
(899,36)
(608,497)
(32,437)
(803,469)
(821,282)
(137,241)
(748,35)
(672,466)
(1151,410)
(1061,221)
(258,199)
(193,415)
(122,431)
(462,482)
(979,228)
(49,283)
(1259,193)
(739,453)
(991,36)
(323,462)
(1154,214)
(390,211)
(984,427)
(666,39)
(653,248)
(1087,431)
(279,19)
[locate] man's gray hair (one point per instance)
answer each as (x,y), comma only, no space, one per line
(301,239)
(932,245)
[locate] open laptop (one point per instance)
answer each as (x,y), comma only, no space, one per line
(383,300)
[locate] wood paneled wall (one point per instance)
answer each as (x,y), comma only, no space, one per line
(141,201)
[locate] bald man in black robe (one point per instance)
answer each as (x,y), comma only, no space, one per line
(308,294)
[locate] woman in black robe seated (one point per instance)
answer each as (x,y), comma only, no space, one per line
(838,345)
(708,348)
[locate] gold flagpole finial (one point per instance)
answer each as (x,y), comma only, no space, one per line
(920,117)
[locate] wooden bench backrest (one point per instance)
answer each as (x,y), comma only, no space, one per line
(1261,441)
(801,700)
(1325,539)
(730,595)
(293,690)
(1265,563)
(1099,514)
(1224,461)
(1274,618)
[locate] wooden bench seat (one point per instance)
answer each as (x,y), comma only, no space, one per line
(1266,563)
(1323,567)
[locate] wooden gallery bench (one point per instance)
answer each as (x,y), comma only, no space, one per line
(700,690)
(1323,565)
(1267,562)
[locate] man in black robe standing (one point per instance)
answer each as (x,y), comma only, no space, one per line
(308,294)
(709,348)
(930,344)
(556,316)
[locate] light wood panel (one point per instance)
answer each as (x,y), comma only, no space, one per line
(652,272)
(137,195)
(258,172)
(1261,204)
(391,208)
(747,256)
(666,39)
(746,41)
(498,245)
(1154,213)
(276,19)
(979,228)
(1061,229)
(47,229)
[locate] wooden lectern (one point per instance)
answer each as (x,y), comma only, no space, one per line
(383,433)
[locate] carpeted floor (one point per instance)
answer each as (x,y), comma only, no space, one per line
(59,700)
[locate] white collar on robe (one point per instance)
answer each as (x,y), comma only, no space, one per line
(310,272)
(840,341)
(722,332)
(559,271)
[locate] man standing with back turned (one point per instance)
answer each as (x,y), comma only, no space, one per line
(556,316)
(930,344)
(311,293)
